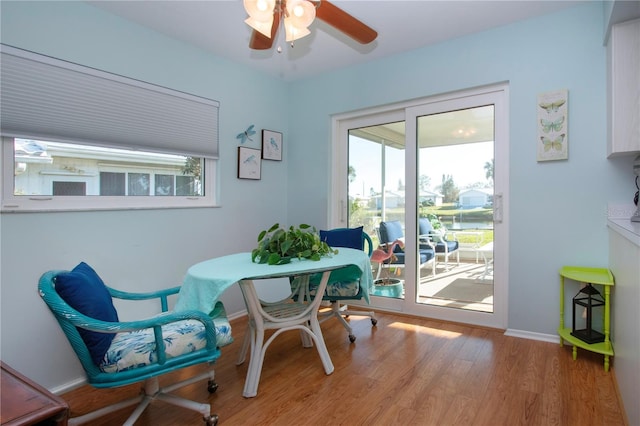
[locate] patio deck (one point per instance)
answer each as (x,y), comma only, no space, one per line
(465,286)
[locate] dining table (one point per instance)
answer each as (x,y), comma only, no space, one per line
(206,281)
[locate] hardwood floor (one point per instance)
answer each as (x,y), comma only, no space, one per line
(405,371)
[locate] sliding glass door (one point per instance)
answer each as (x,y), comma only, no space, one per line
(455,207)
(431,176)
(377,192)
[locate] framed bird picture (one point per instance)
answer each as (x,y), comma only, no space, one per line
(271,145)
(249,163)
(553,141)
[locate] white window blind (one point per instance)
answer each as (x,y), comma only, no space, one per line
(45,98)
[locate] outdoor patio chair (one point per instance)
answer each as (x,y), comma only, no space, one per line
(116,353)
(388,232)
(445,242)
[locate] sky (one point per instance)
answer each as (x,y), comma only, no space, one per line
(465,163)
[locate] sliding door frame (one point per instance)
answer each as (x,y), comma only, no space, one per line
(497,95)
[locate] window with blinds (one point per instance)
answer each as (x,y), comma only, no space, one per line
(75,137)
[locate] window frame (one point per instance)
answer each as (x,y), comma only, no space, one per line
(43,203)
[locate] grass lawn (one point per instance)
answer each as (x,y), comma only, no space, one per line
(370,219)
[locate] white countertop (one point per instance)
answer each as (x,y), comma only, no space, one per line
(626,228)
(620,222)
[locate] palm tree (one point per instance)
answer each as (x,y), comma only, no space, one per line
(449,189)
(351,171)
(424,182)
(488,167)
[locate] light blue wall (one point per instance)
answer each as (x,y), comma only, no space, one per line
(558,209)
(134,250)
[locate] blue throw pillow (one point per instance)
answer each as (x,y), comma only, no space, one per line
(344,237)
(85,291)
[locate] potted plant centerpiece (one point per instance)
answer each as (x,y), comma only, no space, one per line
(277,246)
(387,286)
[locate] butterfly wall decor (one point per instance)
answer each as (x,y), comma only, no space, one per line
(555,144)
(552,126)
(548,125)
(246,135)
(552,106)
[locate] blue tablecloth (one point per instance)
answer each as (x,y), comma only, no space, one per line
(206,281)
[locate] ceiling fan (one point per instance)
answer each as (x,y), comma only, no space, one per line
(265,17)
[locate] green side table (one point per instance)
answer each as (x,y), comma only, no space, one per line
(598,276)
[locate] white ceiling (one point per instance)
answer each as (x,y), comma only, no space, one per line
(217,26)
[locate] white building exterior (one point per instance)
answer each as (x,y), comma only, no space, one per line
(477,197)
(50,168)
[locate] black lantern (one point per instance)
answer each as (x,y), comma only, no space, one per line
(589,298)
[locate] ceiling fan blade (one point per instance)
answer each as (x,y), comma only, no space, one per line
(261,42)
(342,21)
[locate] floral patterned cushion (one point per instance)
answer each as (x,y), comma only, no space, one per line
(137,348)
(337,289)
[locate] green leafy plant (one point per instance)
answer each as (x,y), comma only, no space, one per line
(277,246)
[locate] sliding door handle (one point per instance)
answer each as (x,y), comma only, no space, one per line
(497,208)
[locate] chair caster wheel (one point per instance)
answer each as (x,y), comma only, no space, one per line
(352,338)
(374,321)
(212,420)
(212,386)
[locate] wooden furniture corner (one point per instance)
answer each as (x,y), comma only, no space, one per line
(24,402)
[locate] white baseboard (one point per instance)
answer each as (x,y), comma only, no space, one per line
(552,338)
(238,314)
(68,387)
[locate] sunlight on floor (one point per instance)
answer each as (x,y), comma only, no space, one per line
(425,330)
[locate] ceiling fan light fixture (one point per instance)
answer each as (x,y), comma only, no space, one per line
(296,16)
(301,13)
(263,27)
(293,32)
(260,10)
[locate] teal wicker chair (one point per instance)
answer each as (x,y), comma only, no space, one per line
(115,353)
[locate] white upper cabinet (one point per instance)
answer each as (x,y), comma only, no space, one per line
(623,84)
